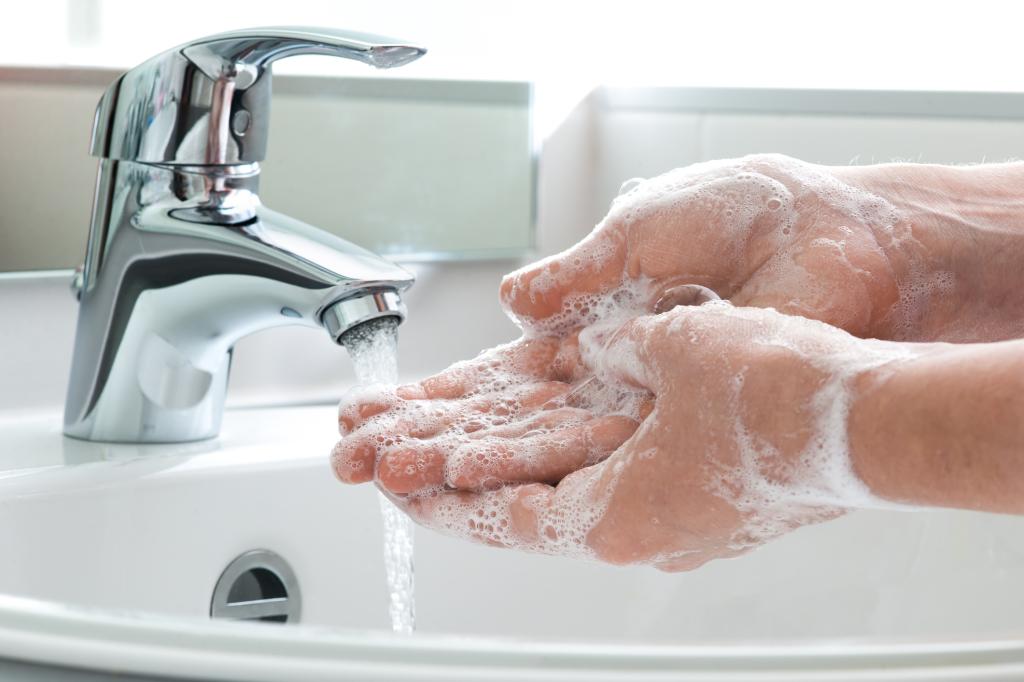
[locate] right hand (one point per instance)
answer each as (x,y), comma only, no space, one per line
(761,231)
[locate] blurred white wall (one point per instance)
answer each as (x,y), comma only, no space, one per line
(881,44)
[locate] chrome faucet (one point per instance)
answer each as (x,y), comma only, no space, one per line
(182,259)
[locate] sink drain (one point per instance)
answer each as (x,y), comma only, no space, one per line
(258,585)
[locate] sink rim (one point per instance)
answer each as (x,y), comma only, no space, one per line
(151,644)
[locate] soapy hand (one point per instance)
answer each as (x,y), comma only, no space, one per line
(542,446)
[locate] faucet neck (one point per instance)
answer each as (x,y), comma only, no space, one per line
(182,262)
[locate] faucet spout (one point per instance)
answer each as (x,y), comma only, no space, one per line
(187,263)
(347,314)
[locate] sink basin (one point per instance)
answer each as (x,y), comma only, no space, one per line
(152,527)
(106,541)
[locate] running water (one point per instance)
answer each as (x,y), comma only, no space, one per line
(373,347)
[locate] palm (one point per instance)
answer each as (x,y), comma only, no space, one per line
(494,419)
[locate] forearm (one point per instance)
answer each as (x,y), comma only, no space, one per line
(945,429)
(964,258)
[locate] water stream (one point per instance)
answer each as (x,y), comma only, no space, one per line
(373,347)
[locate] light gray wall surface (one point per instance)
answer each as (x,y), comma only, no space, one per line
(46,173)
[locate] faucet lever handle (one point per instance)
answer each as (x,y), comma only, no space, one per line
(207,102)
(251,51)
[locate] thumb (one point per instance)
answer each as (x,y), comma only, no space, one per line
(621,351)
(541,291)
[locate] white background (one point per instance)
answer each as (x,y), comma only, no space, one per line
(874,44)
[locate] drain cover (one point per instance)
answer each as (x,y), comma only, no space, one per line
(258,585)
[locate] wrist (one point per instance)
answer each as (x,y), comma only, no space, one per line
(957,263)
(942,428)
(879,459)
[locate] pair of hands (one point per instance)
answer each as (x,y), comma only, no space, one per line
(638,420)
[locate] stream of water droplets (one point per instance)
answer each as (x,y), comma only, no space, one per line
(373,347)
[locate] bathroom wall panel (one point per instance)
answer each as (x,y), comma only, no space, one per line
(405,167)
(566,172)
(46,173)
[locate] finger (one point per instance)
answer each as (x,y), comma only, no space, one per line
(525,359)
(411,392)
(532,358)
(415,465)
(546,420)
(501,518)
(353,457)
(532,517)
(622,352)
(454,382)
(544,289)
(568,365)
(598,397)
(686,294)
(646,407)
(542,396)
(474,414)
(362,403)
(408,469)
(415,419)
(547,457)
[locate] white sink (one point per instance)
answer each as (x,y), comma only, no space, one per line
(135,535)
(152,527)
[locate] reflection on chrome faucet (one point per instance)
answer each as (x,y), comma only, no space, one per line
(182,259)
